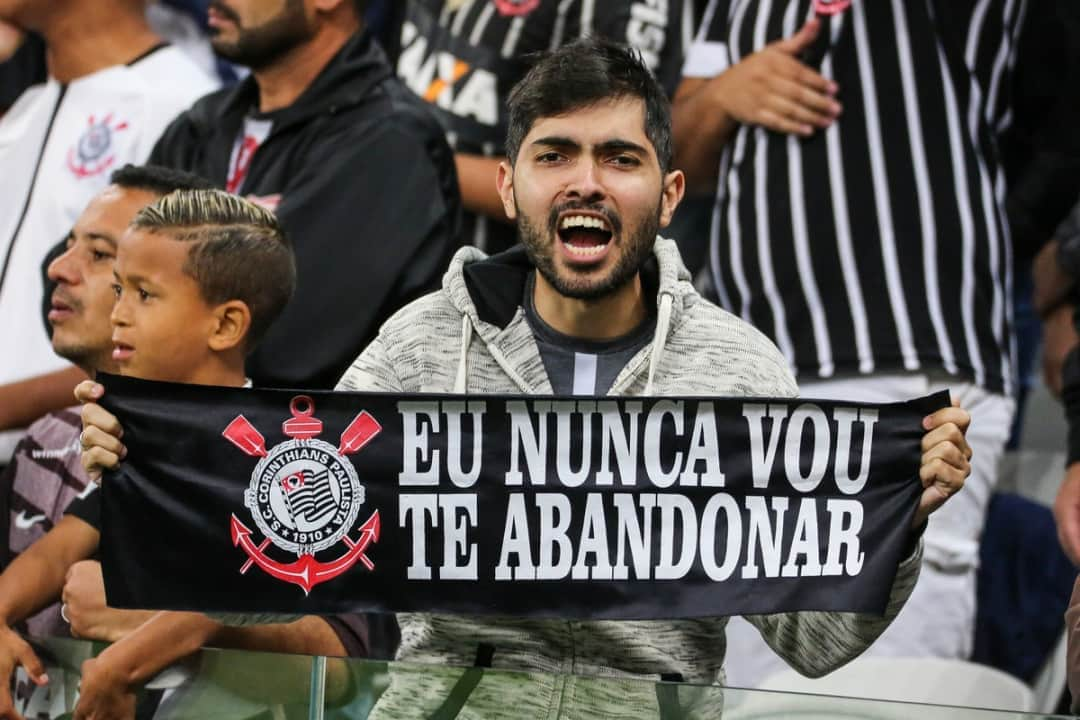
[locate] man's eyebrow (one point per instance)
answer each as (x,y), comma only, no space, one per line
(102,236)
(623,145)
(557,141)
(131,279)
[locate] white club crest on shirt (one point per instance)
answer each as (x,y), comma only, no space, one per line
(92,154)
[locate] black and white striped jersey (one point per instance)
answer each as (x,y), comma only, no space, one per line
(879,244)
(464,56)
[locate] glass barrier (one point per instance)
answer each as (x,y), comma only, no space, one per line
(233,685)
(384,691)
(212,685)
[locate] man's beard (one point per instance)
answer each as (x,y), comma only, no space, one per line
(87,356)
(261,46)
(635,250)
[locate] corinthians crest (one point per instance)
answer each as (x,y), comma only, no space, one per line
(305,497)
(93,153)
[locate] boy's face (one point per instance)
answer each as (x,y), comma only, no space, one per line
(83,299)
(161,323)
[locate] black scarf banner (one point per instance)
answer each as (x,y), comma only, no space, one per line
(237,500)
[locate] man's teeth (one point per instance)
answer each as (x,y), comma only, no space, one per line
(584,251)
(583,221)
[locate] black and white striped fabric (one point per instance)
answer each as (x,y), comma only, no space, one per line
(311,498)
(879,244)
(464,56)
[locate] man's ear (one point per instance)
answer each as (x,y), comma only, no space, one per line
(672,195)
(505,180)
(232,322)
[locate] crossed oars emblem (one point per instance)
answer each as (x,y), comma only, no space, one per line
(306,571)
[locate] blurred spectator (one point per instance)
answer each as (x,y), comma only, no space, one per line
(104,104)
(22,63)
(1056,270)
(1040,182)
(45,474)
(106,253)
(464,56)
(870,242)
(355,167)
(183,23)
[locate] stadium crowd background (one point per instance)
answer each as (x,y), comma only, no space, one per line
(374,129)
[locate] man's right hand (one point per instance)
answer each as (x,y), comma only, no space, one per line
(771,88)
(100,438)
(14,651)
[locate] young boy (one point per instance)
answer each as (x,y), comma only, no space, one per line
(199,276)
(45,474)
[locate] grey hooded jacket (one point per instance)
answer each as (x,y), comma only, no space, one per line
(472,337)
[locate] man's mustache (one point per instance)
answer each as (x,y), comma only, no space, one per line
(62,298)
(611,215)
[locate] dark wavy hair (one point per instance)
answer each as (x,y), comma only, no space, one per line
(583,73)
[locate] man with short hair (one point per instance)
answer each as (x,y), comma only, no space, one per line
(44,475)
(593,303)
(596,303)
(113,86)
(187,308)
(356,169)
(464,56)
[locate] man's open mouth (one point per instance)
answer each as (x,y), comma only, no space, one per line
(584,235)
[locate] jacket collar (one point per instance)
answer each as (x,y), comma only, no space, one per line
(488,292)
(496,284)
(346,81)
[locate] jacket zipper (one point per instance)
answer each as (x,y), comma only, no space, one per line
(33,184)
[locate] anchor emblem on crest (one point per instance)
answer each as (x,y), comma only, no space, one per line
(304,497)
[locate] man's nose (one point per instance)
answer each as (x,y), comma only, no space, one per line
(64,268)
(586,184)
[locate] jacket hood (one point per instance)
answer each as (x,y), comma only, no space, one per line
(488,292)
(346,81)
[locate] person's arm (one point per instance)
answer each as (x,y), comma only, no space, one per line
(770,88)
(109,681)
(33,580)
(36,577)
(23,402)
(476,180)
(701,127)
(816,643)
(87,614)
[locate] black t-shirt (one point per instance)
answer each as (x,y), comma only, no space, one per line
(582,367)
(87,508)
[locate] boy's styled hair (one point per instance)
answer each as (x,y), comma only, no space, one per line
(157,179)
(238,252)
(583,73)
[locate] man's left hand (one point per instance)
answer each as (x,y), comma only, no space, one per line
(103,693)
(946,460)
(85,608)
